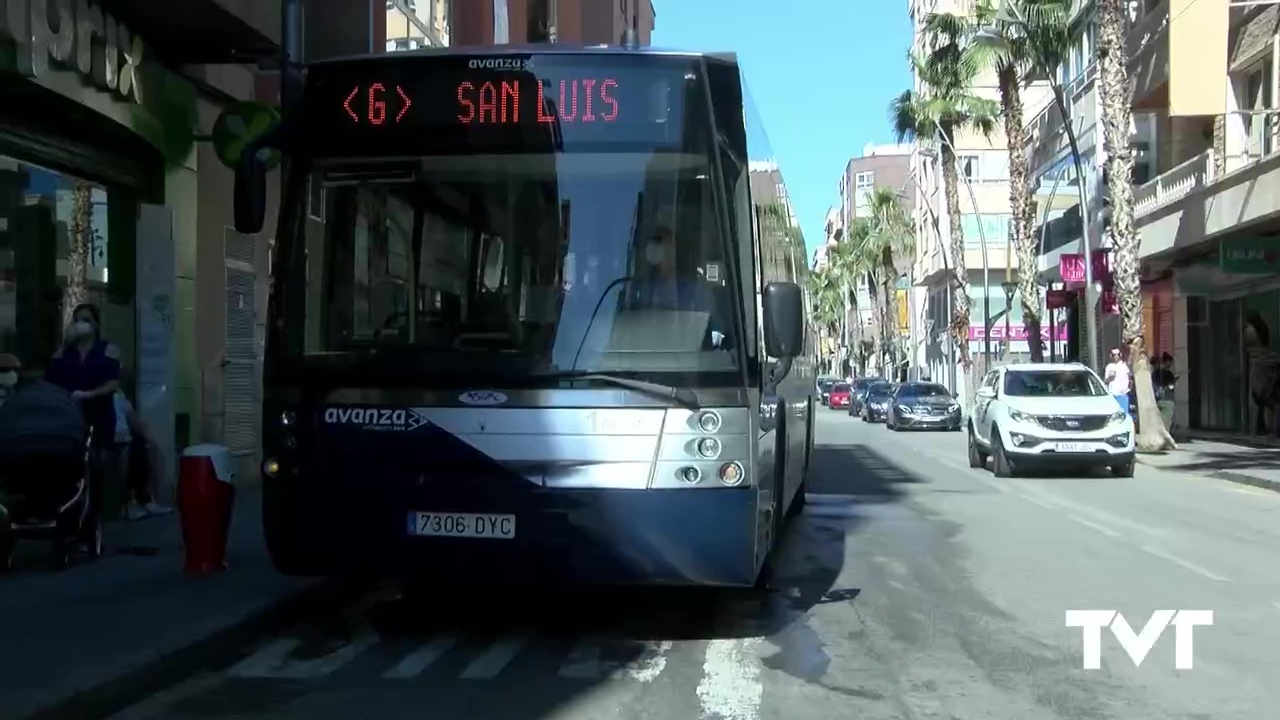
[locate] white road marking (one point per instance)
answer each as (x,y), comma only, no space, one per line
(267,660)
(1188,565)
(730,688)
(275,660)
(1091,524)
(585,662)
(493,660)
(422,658)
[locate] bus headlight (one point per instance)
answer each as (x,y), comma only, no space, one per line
(270,467)
(690,475)
(709,448)
(731,474)
(288,419)
(709,421)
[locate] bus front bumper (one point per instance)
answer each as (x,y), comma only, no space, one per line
(583,536)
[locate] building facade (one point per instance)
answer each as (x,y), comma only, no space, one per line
(417,24)
(1207,196)
(576,22)
(108,196)
(983,168)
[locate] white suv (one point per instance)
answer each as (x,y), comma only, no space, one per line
(1037,415)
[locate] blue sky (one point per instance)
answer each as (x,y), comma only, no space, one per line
(821,72)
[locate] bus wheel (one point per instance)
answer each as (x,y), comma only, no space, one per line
(764,581)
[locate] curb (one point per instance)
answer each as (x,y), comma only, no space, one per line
(1226,475)
(170,667)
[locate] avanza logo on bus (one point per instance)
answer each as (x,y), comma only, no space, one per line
(386,419)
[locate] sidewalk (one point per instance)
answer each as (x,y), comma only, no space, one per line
(1256,463)
(98,636)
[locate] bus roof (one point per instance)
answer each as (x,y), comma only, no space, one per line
(546,49)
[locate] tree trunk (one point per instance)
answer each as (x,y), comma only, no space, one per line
(1219,145)
(1116,121)
(79,237)
(959,273)
(1023,238)
(889,335)
(877,316)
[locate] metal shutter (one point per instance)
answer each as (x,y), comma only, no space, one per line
(241,383)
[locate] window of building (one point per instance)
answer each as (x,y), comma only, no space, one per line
(44,215)
(864,179)
(968,167)
(1253,98)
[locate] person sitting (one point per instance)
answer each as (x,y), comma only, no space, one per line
(662,288)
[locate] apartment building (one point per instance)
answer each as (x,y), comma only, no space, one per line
(983,165)
(415,24)
(576,22)
(1207,198)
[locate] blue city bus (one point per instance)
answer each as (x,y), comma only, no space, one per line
(536,314)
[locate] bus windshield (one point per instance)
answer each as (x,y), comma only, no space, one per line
(543,248)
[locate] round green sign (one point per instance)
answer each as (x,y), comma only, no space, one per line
(240,124)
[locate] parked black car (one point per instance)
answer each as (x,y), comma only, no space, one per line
(859,394)
(923,406)
(824,388)
(875,406)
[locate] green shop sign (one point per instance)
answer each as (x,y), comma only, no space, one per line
(90,57)
(1249,256)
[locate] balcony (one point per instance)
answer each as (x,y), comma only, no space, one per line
(1148,47)
(1193,202)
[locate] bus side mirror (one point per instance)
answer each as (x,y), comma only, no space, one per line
(783,320)
(250,193)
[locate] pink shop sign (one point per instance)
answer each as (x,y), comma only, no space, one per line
(1017,333)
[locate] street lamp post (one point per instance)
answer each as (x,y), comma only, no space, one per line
(1009,13)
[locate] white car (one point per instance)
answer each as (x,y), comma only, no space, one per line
(1048,415)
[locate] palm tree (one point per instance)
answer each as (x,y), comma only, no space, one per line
(1037,40)
(79,242)
(827,302)
(1117,118)
(891,240)
(947,107)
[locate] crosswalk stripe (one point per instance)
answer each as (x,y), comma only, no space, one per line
(730,688)
(585,661)
(496,657)
(266,660)
(422,658)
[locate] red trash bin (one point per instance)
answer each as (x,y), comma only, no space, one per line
(206,496)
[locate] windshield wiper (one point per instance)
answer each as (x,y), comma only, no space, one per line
(683,397)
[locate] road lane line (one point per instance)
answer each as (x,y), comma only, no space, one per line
(730,688)
(422,658)
(495,658)
(1091,524)
(648,664)
(267,660)
(1188,565)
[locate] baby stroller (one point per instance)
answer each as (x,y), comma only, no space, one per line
(48,487)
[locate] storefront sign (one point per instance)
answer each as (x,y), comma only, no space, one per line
(1017,333)
(84,40)
(1071,267)
(1250,256)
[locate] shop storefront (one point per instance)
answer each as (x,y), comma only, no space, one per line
(89,125)
(1233,341)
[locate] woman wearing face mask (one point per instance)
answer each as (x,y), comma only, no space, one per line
(88,367)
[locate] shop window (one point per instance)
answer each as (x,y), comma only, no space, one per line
(55,251)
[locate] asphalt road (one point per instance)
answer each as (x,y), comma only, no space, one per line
(912,588)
